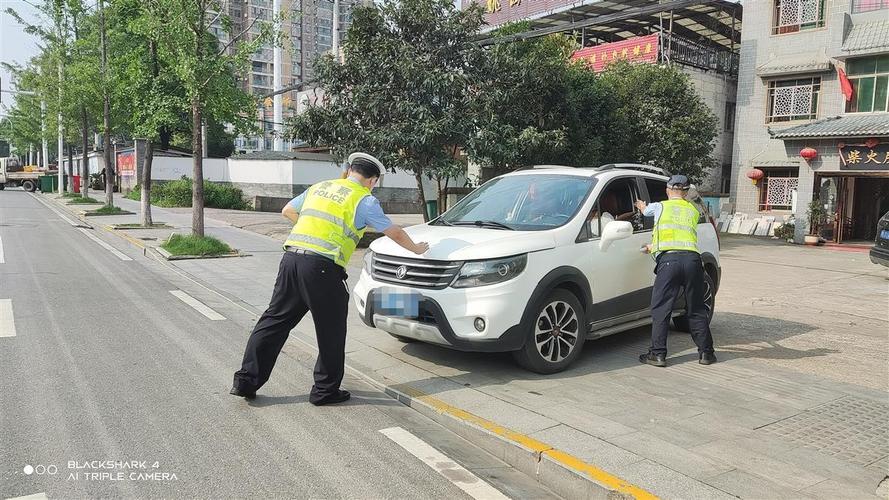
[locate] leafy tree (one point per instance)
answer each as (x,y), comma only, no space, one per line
(208,72)
(658,118)
(401,91)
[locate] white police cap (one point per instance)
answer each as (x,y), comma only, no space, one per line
(364,156)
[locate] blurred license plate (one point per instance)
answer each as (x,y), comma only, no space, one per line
(884,234)
(395,302)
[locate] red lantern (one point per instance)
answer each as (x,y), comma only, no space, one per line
(808,154)
(755,175)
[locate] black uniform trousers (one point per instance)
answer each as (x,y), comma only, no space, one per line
(678,270)
(306,282)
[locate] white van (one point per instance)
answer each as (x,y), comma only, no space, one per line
(525,264)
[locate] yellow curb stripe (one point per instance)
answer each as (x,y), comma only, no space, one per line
(565,459)
(124,235)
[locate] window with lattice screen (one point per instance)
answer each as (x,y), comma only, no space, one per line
(793,99)
(791,16)
(776,188)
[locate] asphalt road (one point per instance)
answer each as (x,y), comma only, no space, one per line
(106,365)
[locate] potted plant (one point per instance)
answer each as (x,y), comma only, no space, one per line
(816,214)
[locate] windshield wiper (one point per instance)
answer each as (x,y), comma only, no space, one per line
(441,221)
(483,223)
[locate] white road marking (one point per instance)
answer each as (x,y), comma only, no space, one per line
(7,322)
(452,471)
(2,258)
(120,255)
(197,305)
(60,214)
(35,496)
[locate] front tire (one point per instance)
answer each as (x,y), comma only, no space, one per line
(29,186)
(681,322)
(557,335)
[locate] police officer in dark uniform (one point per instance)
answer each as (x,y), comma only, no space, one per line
(329,220)
(674,245)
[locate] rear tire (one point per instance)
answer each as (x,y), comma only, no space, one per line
(556,337)
(681,322)
(2,186)
(29,186)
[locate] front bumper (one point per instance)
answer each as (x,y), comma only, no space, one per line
(491,303)
(879,256)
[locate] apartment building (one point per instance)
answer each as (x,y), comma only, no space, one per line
(812,121)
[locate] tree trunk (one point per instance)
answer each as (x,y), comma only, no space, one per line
(106,112)
(84,167)
(70,168)
(197,193)
(418,175)
(145,182)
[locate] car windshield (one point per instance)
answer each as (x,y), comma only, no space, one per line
(522,202)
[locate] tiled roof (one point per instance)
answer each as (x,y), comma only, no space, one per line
(867,38)
(808,63)
(851,125)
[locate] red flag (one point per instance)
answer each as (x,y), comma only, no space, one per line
(845,84)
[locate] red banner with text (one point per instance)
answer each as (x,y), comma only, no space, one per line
(638,49)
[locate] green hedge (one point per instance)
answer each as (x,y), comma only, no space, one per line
(178,194)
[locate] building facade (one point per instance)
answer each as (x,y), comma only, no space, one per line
(812,122)
(700,38)
(309,31)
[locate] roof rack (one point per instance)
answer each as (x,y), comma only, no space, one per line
(634,166)
(544,167)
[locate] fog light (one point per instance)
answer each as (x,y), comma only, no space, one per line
(479,324)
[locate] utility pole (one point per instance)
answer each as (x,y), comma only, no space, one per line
(45,164)
(277,61)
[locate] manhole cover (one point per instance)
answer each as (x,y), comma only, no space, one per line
(855,430)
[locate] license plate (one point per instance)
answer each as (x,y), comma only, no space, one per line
(395,302)
(884,234)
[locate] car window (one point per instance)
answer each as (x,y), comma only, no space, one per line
(657,190)
(615,202)
(523,202)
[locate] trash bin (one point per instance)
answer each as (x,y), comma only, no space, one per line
(48,183)
(76,180)
(431,209)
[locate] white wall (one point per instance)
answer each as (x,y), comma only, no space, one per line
(169,168)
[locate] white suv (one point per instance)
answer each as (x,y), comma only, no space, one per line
(526,264)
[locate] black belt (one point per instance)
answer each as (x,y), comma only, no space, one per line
(298,250)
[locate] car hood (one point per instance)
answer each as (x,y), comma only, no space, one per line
(467,243)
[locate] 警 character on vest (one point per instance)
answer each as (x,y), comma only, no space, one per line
(674,243)
(329,220)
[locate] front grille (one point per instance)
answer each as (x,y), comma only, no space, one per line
(432,274)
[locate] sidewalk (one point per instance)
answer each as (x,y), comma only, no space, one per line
(762,423)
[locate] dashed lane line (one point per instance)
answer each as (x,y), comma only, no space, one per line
(7,322)
(197,305)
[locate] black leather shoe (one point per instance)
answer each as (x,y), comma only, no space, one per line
(707,358)
(654,359)
(337,397)
(243,394)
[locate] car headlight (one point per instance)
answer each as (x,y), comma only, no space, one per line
(489,272)
(368,261)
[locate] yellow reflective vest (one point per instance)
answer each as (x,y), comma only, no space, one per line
(677,227)
(326,223)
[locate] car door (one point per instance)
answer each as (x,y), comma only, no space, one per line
(620,277)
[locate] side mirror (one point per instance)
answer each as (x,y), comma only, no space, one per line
(613,231)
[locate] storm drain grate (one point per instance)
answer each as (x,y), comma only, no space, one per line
(855,430)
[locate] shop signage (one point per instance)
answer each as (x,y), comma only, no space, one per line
(638,49)
(868,156)
(126,164)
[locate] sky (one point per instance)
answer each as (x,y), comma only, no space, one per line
(15,45)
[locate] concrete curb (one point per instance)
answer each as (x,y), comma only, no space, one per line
(84,213)
(167,255)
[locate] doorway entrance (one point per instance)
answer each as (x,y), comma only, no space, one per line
(853,205)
